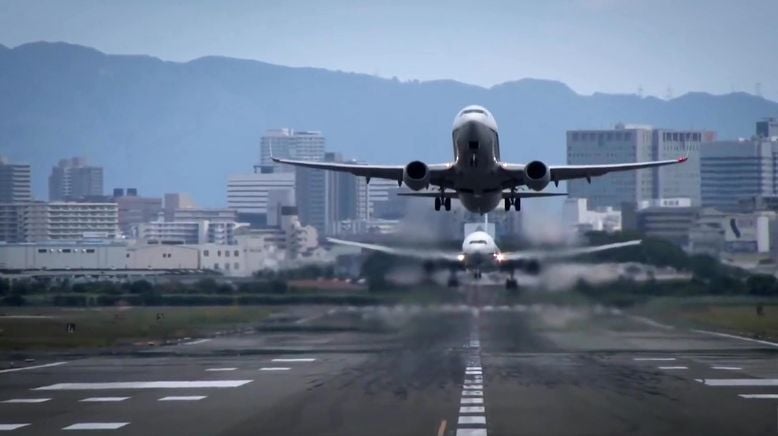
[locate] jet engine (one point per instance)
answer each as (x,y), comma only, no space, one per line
(537,174)
(416,175)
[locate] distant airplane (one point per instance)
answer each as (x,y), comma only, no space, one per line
(480,253)
(477,176)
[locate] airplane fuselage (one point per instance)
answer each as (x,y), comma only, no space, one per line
(476,159)
(479,251)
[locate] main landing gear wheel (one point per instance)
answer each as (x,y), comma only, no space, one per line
(517,204)
(447,203)
(437,203)
(507,204)
(511,285)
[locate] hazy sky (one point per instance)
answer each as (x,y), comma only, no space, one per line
(592,45)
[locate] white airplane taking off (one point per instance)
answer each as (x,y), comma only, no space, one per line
(477,176)
(480,253)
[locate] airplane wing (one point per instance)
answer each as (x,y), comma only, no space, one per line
(413,253)
(453,194)
(515,172)
(438,172)
(566,172)
(563,253)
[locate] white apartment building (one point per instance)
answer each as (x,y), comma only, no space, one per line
(71,220)
(249,193)
(188,232)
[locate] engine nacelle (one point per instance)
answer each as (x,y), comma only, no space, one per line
(416,175)
(538,175)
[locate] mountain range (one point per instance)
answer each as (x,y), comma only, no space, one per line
(185,127)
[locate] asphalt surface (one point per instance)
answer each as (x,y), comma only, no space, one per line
(446,370)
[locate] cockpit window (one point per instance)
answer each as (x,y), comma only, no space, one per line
(474,111)
(478,242)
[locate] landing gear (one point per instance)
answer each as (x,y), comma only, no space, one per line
(511,284)
(514,200)
(507,204)
(442,201)
(517,204)
(477,274)
(452,281)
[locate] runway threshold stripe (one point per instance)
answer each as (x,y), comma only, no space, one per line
(471,401)
(10,427)
(760,396)
(182,398)
(145,385)
(104,399)
(473,386)
(25,368)
(27,400)
(727,335)
(471,409)
(478,419)
(468,393)
(741,381)
(471,432)
(96,426)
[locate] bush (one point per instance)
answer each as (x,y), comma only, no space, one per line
(13,300)
(762,284)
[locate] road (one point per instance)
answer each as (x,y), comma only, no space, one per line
(445,370)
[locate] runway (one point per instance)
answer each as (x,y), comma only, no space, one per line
(409,370)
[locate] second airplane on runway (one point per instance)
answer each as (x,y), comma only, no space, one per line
(477,176)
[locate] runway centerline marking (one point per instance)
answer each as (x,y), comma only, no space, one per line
(25,368)
(96,426)
(294,360)
(144,385)
(673,367)
(727,335)
(741,381)
(182,398)
(653,359)
(275,368)
(10,427)
(27,400)
(220,369)
(103,399)
(727,368)
(760,396)
(472,412)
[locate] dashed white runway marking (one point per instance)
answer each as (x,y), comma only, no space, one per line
(472,420)
(727,335)
(96,426)
(10,427)
(653,359)
(473,368)
(104,399)
(475,386)
(293,360)
(472,401)
(472,393)
(728,368)
(198,341)
(471,409)
(471,432)
(673,367)
(740,381)
(25,368)
(275,368)
(182,398)
(27,400)
(760,396)
(220,369)
(145,385)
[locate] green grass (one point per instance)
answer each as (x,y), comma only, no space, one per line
(45,328)
(726,314)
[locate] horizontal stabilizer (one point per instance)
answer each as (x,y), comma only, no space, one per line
(452,194)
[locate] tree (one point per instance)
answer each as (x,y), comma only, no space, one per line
(762,284)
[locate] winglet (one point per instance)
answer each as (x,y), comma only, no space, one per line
(683,159)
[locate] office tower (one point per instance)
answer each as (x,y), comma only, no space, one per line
(248,194)
(74,179)
(627,143)
(15,185)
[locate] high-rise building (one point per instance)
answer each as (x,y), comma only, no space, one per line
(310,184)
(341,195)
(71,220)
(738,170)
(175,201)
(626,143)
(767,128)
(248,194)
(135,210)
(15,185)
(23,221)
(74,179)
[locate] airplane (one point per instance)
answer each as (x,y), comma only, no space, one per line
(479,253)
(477,176)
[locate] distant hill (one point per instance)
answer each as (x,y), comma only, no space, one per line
(167,126)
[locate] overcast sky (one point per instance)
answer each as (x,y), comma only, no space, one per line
(617,46)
